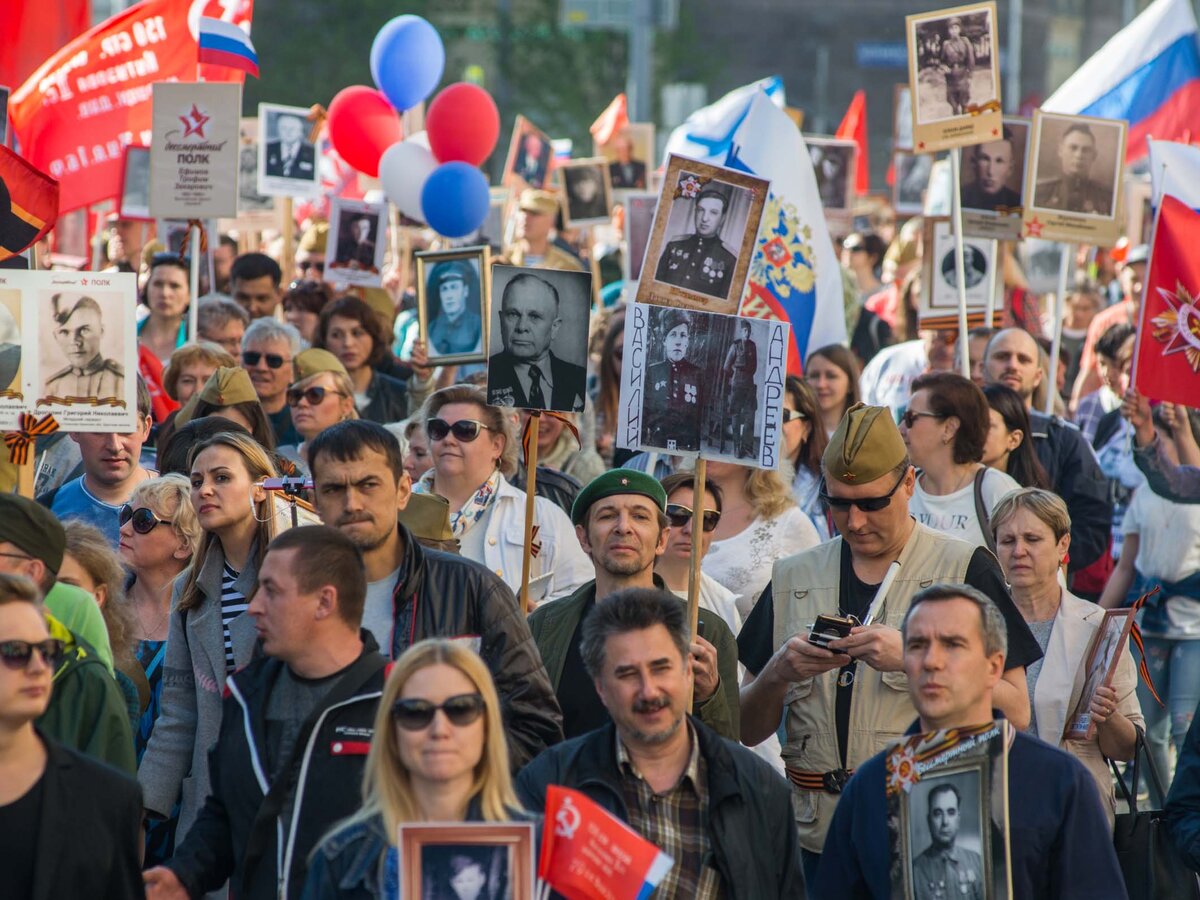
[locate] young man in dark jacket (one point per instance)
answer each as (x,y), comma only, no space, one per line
(295,729)
(717,809)
(415,593)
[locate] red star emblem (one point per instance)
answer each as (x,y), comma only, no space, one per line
(194,122)
(995,132)
(1033,228)
(921,146)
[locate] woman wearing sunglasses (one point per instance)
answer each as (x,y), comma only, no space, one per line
(209,632)
(438,755)
(945,429)
(474,448)
(322,395)
(805,442)
(164,330)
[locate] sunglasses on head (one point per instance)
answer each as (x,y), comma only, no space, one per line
(314,395)
(679,515)
(143,518)
(253,357)
(465,430)
(866,504)
(16,654)
(416,715)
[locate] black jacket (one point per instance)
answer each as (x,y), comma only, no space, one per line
(387,399)
(239,834)
(88,841)
(442,595)
(1076,476)
(558,487)
(751,829)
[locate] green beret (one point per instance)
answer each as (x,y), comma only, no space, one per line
(866,445)
(31,527)
(427,516)
(228,386)
(314,360)
(617,481)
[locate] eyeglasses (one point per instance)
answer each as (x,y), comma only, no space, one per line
(143,518)
(17,654)
(416,715)
(314,395)
(866,504)
(16,556)
(679,515)
(465,430)
(309,264)
(791,415)
(253,357)
(910,418)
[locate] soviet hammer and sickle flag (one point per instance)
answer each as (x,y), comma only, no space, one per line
(28,204)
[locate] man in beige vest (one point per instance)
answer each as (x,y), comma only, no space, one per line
(846,703)
(535,234)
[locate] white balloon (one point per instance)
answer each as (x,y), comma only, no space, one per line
(403,170)
(421,138)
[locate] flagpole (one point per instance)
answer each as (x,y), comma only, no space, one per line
(698,492)
(535,418)
(993,275)
(194,282)
(959,265)
(1064,270)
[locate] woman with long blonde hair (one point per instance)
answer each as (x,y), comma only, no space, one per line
(438,754)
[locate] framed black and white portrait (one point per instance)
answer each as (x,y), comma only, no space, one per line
(703,238)
(530,156)
(537,338)
(135,184)
(629,154)
(1101,665)
(356,243)
(587,193)
(287,159)
(833,162)
(938,306)
(452,311)
(639,222)
(912,172)
(467,861)
(945,830)
(954,74)
(993,183)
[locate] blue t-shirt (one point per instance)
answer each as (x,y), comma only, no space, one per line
(74,502)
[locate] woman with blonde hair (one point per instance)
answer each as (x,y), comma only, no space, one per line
(191,366)
(1033,534)
(474,448)
(210,633)
(439,754)
(760,523)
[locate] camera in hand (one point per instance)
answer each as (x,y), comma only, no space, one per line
(830,628)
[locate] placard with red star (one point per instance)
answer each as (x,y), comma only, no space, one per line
(194,150)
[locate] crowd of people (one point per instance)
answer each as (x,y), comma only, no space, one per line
(201,699)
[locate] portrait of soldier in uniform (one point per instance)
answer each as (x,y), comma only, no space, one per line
(289,153)
(458,326)
(675,389)
(993,171)
(952,68)
(741,365)
(1065,179)
(356,241)
(945,870)
(587,196)
(957,58)
(701,261)
(78,326)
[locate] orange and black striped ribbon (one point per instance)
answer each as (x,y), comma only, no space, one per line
(30,428)
(554,415)
(1135,635)
(187,238)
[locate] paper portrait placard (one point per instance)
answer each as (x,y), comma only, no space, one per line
(77,345)
(939,279)
(587,192)
(537,338)
(947,798)
(356,243)
(134,202)
(253,207)
(630,156)
(287,159)
(495,858)
(194,150)
(640,207)
(833,162)
(995,177)
(1103,657)
(453,289)
(912,179)
(530,156)
(954,74)
(1075,187)
(703,238)
(699,383)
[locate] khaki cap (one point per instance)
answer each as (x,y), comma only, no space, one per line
(866,445)
(314,238)
(314,361)
(427,516)
(228,387)
(542,202)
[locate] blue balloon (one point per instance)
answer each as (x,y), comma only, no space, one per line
(455,199)
(407,59)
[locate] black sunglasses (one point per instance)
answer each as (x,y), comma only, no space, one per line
(16,654)
(791,415)
(252,358)
(679,515)
(866,504)
(465,430)
(143,518)
(416,715)
(308,264)
(314,395)
(910,418)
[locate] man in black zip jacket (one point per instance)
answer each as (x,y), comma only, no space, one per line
(295,729)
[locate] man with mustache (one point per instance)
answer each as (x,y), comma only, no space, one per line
(620,519)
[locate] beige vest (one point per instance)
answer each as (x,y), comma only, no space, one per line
(880,709)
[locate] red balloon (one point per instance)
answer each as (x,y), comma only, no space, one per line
(362,124)
(463,124)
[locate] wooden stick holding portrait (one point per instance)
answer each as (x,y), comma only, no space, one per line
(959,265)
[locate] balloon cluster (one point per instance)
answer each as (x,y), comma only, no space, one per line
(432,176)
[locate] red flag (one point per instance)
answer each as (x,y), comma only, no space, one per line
(28,204)
(32,31)
(854,128)
(89,101)
(611,121)
(589,854)
(1166,363)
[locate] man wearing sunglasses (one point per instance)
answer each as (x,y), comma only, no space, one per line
(268,350)
(621,523)
(295,730)
(846,702)
(70,824)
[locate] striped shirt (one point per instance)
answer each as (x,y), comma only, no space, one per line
(676,821)
(233,604)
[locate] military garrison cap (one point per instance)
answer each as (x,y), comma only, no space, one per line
(866,445)
(31,527)
(315,360)
(228,386)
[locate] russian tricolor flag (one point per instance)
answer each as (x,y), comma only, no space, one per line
(224,44)
(1147,74)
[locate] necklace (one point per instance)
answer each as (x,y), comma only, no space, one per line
(159,621)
